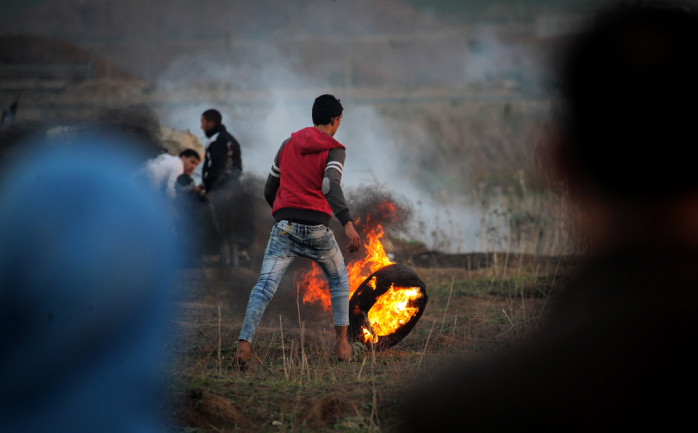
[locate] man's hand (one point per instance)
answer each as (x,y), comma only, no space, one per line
(354,238)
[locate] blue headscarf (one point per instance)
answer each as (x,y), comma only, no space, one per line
(86,290)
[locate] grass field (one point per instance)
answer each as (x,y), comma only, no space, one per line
(295,384)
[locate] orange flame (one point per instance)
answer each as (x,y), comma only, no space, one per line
(369,337)
(314,283)
(391,310)
(375,259)
(315,287)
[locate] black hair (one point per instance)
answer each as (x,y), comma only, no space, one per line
(627,82)
(186,153)
(325,108)
(213,115)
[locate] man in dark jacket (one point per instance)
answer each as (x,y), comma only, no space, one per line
(616,353)
(303,188)
(223,160)
(220,174)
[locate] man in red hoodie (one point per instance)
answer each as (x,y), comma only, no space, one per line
(303,189)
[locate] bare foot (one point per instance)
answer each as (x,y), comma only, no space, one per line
(344,350)
(243,353)
(341,346)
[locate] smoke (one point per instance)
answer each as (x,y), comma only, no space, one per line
(373,206)
(380,156)
(265,91)
(138,123)
(262,64)
(490,59)
(378,159)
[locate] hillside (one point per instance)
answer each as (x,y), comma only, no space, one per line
(145,38)
(34,52)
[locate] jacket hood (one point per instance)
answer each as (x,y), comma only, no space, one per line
(312,140)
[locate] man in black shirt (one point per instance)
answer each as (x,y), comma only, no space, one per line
(223,160)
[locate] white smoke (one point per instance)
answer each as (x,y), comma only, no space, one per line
(376,155)
(264,99)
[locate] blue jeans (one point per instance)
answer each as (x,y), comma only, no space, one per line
(287,241)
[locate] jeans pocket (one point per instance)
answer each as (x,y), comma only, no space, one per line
(281,228)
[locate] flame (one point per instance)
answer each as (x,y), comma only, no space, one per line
(391,310)
(375,259)
(315,286)
(369,337)
(314,283)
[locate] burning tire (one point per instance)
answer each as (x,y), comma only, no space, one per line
(386,306)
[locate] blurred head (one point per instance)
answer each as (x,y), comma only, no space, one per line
(190,160)
(210,119)
(628,83)
(86,284)
(327,110)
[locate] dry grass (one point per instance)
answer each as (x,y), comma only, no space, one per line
(296,385)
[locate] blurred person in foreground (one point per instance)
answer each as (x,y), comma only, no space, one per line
(304,190)
(616,350)
(86,289)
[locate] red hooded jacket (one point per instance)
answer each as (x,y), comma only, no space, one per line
(302,164)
